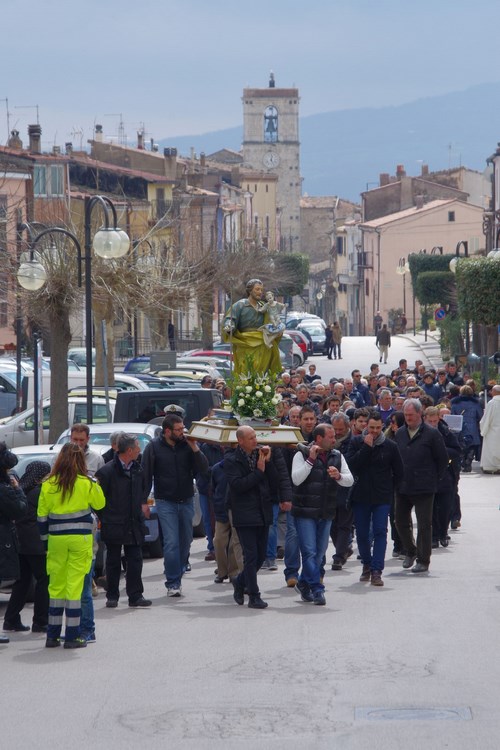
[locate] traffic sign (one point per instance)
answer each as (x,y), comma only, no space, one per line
(440,313)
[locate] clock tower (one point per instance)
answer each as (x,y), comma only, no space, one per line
(271,144)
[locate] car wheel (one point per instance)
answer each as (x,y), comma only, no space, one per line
(155,548)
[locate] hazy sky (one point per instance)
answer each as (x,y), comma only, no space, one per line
(179,66)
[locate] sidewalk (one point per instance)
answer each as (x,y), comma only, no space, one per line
(430,349)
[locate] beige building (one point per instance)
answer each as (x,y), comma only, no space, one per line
(388,240)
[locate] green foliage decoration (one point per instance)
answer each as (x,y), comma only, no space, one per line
(433,287)
(420,263)
(478,286)
(293,270)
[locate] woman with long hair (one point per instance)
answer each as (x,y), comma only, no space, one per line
(66,500)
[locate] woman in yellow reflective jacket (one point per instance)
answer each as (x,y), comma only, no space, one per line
(65,508)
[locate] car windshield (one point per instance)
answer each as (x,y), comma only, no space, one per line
(316,331)
(139,366)
(102,438)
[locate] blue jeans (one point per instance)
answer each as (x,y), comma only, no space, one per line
(272,539)
(371,519)
(87,624)
(292,549)
(313,540)
(176,520)
(207,521)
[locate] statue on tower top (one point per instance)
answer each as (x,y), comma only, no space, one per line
(272,82)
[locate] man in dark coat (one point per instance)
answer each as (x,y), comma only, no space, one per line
(425,460)
(377,465)
(122,521)
(253,481)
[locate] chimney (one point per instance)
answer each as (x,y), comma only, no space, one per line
(202,159)
(425,170)
(419,202)
(14,140)
(35,136)
(69,148)
(56,150)
(384,178)
(170,155)
(400,171)
(140,140)
(98,136)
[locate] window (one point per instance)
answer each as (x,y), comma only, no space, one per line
(48,181)
(271,125)
(451,215)
(267,225)
(367,287)
(99,413)
(4,288)
(3,208)
(340,245)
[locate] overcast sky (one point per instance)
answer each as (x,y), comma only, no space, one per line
(178,67)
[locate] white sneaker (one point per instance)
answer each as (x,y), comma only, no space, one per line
(174,591)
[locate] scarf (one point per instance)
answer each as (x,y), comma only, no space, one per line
(250,457)
(381,438)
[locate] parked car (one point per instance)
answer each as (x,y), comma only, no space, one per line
(222,365)
(217,353)
(143,406)
(303,341)
(138,364)
(79,355)
(20,429)
(294,319)
(317,333)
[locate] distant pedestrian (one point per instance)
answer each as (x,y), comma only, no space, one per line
(171,335)
(383,341)
(328,341)
(337,340)
(490,430)
(377,322)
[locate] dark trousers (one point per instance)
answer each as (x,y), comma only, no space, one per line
(336,350)
(441,514)
(133,574)
(341,532)
(253,540)
(398,546)
(423,510)
(32,566)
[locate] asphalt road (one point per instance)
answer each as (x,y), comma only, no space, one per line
(415,664)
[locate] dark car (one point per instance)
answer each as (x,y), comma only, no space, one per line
(316,331)
(144,406)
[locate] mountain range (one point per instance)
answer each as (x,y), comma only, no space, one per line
(343,152)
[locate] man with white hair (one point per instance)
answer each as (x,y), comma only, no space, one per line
(490,430)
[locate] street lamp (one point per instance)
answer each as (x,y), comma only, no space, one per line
(402,269)
(109,243)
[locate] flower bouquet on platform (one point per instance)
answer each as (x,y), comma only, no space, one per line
(254,398)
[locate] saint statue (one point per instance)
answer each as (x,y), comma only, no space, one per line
(254,330)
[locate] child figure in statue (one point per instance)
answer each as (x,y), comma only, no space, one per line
(275,327)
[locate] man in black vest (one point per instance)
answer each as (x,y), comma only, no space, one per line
(317,469)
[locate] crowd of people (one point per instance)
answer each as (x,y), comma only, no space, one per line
(375,448)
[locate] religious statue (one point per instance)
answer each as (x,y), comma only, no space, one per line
(253,329)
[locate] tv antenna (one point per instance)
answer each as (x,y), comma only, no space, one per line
(122,138)
(30,106)
(8,117)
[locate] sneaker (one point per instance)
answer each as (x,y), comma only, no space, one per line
(220,579)
(376,579)
(408,561)
(17,627)
(319,598)
(52,642)
(89,637)
(291,582)
(111,603)
(38,628)
(174,590)
(77,643)
(141,602)
(255,602)
(365,575)
(269,564)
(210,556)
(303,589)
(187,569)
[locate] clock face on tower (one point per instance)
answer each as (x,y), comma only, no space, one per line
(270,159)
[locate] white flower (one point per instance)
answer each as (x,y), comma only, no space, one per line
(241,402)
(257,413)
(267,388)
(275,400)
(259,394)
(248,388)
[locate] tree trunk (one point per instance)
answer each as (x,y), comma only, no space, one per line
(206,314)
(103,312)
(60,337)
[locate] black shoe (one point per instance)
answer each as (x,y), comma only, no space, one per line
(77,643)
(111,603)
(435,544)
(318,596)
(408,561)
(4,639)
(142,602)
(15,628)
(444,542)
(38,628)
(420,568)
(255,602)
(52,642)
(280,553)
(239,592)
(220,579)
(336,564)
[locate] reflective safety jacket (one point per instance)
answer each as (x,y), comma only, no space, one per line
(73,515)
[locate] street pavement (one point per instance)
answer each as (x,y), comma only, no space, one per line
(415,664)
